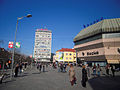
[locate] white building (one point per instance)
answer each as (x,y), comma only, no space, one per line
(42,48)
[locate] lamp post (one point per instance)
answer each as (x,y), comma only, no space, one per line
(14,44)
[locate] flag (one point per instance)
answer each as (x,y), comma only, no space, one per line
(17,45)
(10,45)
(84,26)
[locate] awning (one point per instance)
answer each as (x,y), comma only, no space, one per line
(113,61)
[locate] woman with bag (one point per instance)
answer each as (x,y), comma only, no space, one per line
(72,75)
(98,70)
(84,76)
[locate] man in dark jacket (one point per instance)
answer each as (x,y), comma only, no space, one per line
(84,76)
(16,70)
(113,70)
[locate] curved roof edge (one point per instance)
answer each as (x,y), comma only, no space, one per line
(106,25)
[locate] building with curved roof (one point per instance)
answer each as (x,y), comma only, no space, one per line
(99,43)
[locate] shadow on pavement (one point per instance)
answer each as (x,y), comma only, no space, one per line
(39,72)
(36,73)
(22,75)
(8,81)
(105,83)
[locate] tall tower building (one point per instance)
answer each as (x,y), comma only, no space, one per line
(42,47)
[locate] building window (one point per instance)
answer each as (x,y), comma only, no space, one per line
(37,35)
(66,53)
(66,58)
(70,58)
(70,54)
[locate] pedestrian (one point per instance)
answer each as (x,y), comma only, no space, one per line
(98,69)
(64,67)
(107,69)
(61,67)
(84,76)
(37,66)
(113,70)
(46,65)
(25,66)
(43,68)
(88,70)
(94,70)
(72,75)
(16,70)
(21,68)
(40,67)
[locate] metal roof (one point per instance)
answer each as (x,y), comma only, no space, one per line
(66,50)
(106,25)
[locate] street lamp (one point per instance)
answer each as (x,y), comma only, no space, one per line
(14,44)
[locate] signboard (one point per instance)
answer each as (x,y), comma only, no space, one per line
(61,56)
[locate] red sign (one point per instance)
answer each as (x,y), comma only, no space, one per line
(10,45)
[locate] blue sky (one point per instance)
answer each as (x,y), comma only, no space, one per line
(65,18)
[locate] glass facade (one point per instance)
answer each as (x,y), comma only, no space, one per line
(111,35)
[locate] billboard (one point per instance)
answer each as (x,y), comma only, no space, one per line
(61,56)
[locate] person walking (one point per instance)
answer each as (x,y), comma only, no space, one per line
(84,76)
(107,69)
(88,70)
(16,70)
(98,69)
(20,68)
(40,67)
(59,65)
(64,67)
(113,70)
(25,65)
(43,67)
(94,70)
(72,75)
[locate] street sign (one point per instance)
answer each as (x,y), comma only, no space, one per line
(10,45)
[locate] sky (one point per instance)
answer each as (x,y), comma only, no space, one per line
(65,18)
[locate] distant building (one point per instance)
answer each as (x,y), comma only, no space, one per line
(99,43)
(66,55)
(42,48)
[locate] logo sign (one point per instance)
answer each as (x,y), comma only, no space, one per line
(10,45)
(17,45)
